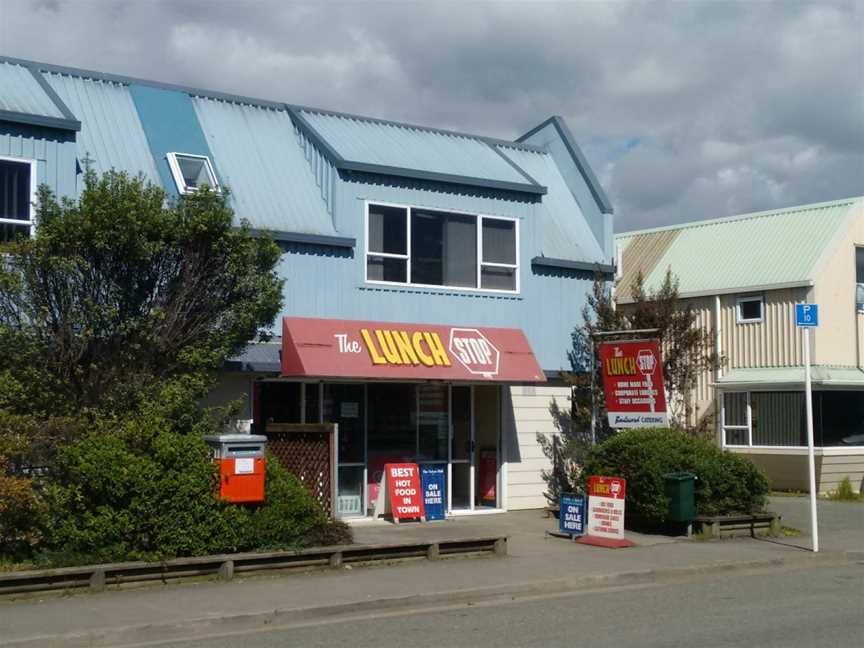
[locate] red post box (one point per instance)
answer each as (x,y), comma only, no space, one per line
(242,466)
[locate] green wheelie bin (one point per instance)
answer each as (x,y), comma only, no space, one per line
(680,491)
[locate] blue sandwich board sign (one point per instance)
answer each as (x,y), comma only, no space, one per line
(433,482)
(571,516)
(806,315)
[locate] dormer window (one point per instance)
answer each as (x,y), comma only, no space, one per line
(191,172)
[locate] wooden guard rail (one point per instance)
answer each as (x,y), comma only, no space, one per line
(98,577)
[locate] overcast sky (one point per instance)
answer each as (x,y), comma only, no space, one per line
(686,110)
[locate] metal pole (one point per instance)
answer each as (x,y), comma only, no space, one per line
(811,461)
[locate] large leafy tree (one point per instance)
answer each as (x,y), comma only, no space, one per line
(123,288)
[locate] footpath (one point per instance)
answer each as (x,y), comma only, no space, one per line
(535,565)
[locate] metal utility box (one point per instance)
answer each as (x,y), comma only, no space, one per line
(242,466)
(680,491)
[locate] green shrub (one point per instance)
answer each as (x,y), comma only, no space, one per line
(726,482)
(132,494)
(290,516)
(110,500)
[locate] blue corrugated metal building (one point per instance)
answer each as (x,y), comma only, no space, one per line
(379,221)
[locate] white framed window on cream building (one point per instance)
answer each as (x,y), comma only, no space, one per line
(749,309)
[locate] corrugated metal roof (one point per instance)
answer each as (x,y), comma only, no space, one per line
(565,232)
(392,145)
(111,135)
(259,158)
(766,376)
(767,248)
(641,255)
(20,92)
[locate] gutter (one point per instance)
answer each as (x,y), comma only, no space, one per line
(566,264)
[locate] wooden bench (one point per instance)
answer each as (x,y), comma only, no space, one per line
(715,526)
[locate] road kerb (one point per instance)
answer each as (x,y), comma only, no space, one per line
(275,618)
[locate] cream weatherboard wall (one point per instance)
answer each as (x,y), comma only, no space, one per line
(531,411)
(787,468)
(773,342)
(838,338)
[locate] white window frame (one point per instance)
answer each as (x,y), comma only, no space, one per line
(748,426)
(407,257)
(34,184)
(490,264)
(750,298)
(180,182)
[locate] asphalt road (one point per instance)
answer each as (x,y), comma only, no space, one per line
(812,608)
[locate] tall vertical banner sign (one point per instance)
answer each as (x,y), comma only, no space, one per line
(633,383)
(606,507)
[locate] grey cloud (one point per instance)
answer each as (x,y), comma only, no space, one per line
(734,106)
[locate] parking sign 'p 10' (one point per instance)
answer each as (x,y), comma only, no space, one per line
(633,383)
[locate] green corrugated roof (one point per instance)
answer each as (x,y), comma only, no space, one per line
(825,375)
(776,247)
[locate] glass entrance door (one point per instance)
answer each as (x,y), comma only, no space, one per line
(487,427)
(461,491)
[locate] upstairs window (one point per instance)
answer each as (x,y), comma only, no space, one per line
(192,172)
(749,309)
(859,278)
(426,247)
(17,193)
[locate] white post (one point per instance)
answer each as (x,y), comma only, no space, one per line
(811,460)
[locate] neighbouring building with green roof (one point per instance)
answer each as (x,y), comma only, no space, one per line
(743,276)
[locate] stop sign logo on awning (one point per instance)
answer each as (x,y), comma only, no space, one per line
(474,350)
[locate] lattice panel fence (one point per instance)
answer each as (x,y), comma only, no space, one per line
(309,453)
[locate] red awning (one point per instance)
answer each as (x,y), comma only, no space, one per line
(329,348)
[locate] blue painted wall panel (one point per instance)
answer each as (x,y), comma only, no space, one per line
(170,124)
(53,150)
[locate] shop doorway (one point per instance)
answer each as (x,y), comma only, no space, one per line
(487,427)
(475,463)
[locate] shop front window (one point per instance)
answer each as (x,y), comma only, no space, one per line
(280,402)
(344,405)
(433,419)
